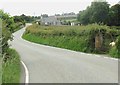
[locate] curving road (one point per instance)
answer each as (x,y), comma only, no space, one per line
(48,64)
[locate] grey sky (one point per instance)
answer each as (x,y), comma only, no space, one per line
(29,7)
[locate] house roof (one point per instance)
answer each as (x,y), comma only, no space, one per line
(63,16)
(119,2)
(49,19)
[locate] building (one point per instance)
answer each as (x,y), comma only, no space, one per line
(50,20)
(69,16)
(119,2)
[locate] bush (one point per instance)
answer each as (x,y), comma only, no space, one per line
(114,52)
(79,38)
(118,45)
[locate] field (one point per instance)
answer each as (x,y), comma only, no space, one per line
(78,38)
(11,68)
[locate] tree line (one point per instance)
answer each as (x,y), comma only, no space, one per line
(100,13)
(27,19)
(10,24)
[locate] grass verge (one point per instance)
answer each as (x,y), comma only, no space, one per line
(72,43)
(11,68)
(78,38)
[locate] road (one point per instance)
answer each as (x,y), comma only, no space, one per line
(48,64)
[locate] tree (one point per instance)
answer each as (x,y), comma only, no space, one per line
(100,11)
(18,19)
(44,15)
(8,20)
(6,35)
(84,16)
(114,14)
(7,26)
(96,13)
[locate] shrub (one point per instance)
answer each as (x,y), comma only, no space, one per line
(80,38)
(118,45)
(115,50)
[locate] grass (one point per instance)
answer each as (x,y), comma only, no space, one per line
(78,38)
(72,43)
(11,68)
(114,52)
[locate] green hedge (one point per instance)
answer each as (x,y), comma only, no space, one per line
(78,38)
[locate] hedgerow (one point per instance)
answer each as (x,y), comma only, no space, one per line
(79,38)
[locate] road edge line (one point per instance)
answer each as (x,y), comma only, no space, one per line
(70,50)
(26,72)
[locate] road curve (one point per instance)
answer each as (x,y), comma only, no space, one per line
(48,64)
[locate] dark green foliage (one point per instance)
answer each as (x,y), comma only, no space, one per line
(100,12)
(25,19)
(44,15)
(19,20)
(96,13)
(114,13)
(8,20)
(84,16)
(7,29)
(6,35)
(9,25)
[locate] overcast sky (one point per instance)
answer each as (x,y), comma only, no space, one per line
(51,7)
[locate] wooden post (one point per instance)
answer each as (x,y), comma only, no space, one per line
(98,40)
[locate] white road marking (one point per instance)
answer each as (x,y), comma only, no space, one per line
(97,55)
(107,57)
(72,50)
(26,73)
(111,58)
(88,54)
(103,57)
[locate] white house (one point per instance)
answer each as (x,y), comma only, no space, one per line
(50,20)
